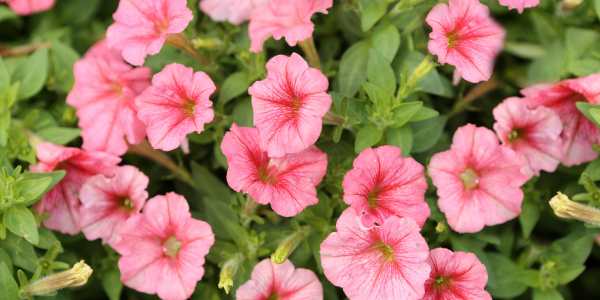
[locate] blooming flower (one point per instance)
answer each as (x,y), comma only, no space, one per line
(289,105)
(103,94)
(532,132)
(579,134)
(28,7)
(141,27)
(176,104)
(163,248)
(284,18)
(519,5)
(287,183)
(234,11)
(478,181)
(382,183)
(107,202)
(62,203)
(280,281)
(465,36)
(455,275)
(380,263)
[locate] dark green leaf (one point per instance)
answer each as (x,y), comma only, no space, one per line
(366,137)
(503,277)
(32,74)
(400,137)
(111,282)
(235,85)
(62,58)
(530,214)
(427,133)
(351,74)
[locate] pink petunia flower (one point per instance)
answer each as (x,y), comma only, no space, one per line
(62,203)
(532,132)
(519,5)
(579,134)
(284,18)
(455,276)
(280,281)
(29,7)
(478,180)
(234,11)
(107,202)
(382,183)
(287,183)
(381,263)
(176,104)
(103,94)
(465,36)
(289,105)
(163,248)
(142,27)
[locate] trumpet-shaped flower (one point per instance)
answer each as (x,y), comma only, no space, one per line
(519,5)
(287,183)
(176,104)
(142,27)
(289,105)
(163,248)
(465,36)
(28,7)
(380,263)
(280,281)
(234,11)
(478,180)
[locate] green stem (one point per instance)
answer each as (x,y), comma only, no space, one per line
(180,41)
(309,49)
(144,149)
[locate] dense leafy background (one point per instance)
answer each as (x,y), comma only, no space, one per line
(385,92)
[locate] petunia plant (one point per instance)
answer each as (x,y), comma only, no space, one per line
(299,149)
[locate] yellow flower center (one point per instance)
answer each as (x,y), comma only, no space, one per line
(189,107)
(452,39)
(386,250)
(171,246)
(469,178)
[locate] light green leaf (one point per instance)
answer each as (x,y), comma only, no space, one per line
(20,221)
(380,72)
(235,85)
(62,58)
(4,76)
(546,295)
(371,11)
(7,14)
(8,286)
(425,113)
(386,40)
(59,135)
(405,112)
(21,252)
(32,74)
(367,137)
(400,137)
(33,185)
(351,74)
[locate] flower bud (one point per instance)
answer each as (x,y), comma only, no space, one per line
(566,208)
(76,276)
(288,245)
(228,272)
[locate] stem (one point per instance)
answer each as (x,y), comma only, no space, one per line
(22,50)
(309,49)
(333,119)
(474,94)
(180,41)
(144,149)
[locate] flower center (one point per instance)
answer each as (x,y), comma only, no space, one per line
(452,39)
(171,246)
(265,175)
(116,88)
(189,107)
(296,104)
(372,197)
(386,250)
(273,296)
(442,282)
(515,134)
(126,203)
(469,178)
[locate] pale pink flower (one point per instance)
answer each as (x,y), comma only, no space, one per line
(532,132)
(289,105)
(382,183)
(519,5)
(478,180)
(61,203)
(176,104)
(163,248)
(456,276)
(103,94)
(579,134)
(289,19)
(234,11)
(465,36)
(28,7)
(141,27)
(287,183)
(280,281)
(107,202)
(381,263)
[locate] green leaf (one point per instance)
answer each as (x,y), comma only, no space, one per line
(21,252)
(8,285)
(59,135)
(573,249)
(111,282)
(62,59)
(380,72)
(503,277)
(597,7)
(432,83)
(549,67)
(569,273)
(427,133)
(351,74)
(20,221)
(33,185)
(243,113)
(579,41)
(530,214)
(7,14)
(552,294)
(4,76)
(425,113)
(371,11)
(367,137)
(590,111)
(386,40)
(400,137)
(405,112)
(32,74)
(235,85)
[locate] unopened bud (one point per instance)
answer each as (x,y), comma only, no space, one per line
(228,272)
(570,4)
(78,275)
(566,208)
(288,245)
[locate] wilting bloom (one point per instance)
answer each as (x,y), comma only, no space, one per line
(532,132)
(579,134)
(465,36)
(176,104)
(62,204)
(280,281)
(289,105)
(163,249)
(455,275)
(103,94)
(478,180)
(234,11)
(77,276)
(107,202)
(142,27)
(382,183)
(287,183)
(380,263)
(566,208)
(28,7)
(519,5)
(289,19)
